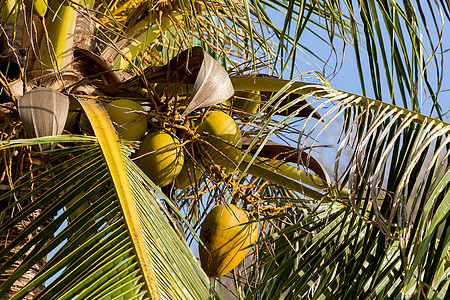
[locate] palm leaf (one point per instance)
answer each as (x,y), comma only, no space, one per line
(390,225)
(98,256)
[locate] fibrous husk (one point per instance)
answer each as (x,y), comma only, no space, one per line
(182,69)
(57,81)
(212,85)
(96,67)
(84,33)
(43,112)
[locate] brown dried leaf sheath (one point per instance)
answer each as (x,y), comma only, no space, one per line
(43,112)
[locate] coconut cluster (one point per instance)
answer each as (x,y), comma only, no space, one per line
(160,154)
(227,231)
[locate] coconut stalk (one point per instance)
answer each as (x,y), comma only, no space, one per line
(136,45)
(278,172)
(56,46)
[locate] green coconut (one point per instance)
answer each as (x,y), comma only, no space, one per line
(129,123)
(160,157)
(224,137)
(227,238)
(247,102)
(39,6)
(189,174)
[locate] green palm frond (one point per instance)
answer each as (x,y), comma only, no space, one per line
(397,47)
(388,236)
(96,256)
(228,30)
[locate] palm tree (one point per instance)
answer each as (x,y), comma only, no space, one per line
(80,218)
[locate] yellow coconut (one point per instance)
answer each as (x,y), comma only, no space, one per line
(224,136)
(245,101)
(159,157)
(189,174)
(129,123)
(226,239)
(39,6)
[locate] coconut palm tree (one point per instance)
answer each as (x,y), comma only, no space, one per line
(228,117)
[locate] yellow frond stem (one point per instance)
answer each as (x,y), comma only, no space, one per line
(56,46)
(143,40)
(109,143)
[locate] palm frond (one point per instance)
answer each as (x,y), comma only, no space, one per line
(397,46)
(390,225)
(96,256)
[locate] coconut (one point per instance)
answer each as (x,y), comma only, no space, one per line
(125,114)
(160,157)
(189,174)
(225,137)
(39,6)
(245,101)
(227,238)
